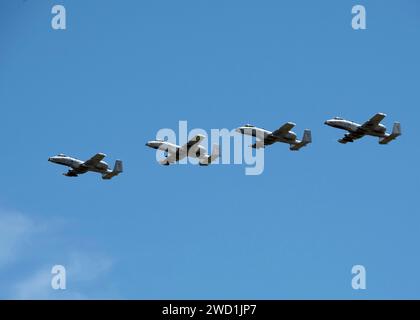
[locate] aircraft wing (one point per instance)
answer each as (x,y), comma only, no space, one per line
(182,152)
(283,130)
(350,137)
(94,160)
(179,153)
(191,143)
(374,121)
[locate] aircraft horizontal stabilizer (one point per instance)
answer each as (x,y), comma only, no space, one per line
(396,132)
(307,138)
(118,168)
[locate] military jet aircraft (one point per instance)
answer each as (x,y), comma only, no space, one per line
(175,153)
(283,134)
(373,127)
(94,164)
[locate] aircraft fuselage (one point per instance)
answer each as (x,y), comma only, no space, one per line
(353,127)
(79,166)
(266,135)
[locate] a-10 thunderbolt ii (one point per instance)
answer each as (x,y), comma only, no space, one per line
(94,164)
(373,127)
(175,153)
(283,134)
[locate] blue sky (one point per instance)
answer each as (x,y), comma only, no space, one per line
(125,69)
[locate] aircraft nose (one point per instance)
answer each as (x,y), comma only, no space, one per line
(327,122)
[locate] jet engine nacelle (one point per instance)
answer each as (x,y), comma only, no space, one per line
(102,165)
(380,128)
(200,151)
(291,136)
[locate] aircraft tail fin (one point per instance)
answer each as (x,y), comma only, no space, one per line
(118,168)
(214,155)
(396,132)
(307,139)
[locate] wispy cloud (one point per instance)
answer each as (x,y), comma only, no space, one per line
(36,286)
(83,271)
(86,271)
(15,231)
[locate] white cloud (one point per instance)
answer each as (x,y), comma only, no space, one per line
(15,231)
(85,270)
(36,286)
(85,267)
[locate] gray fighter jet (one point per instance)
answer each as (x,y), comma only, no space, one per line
(373,127)
(94,164)
(283,134)
(174,153)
